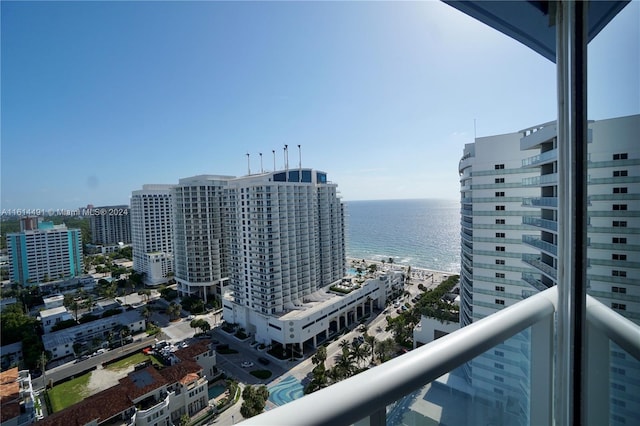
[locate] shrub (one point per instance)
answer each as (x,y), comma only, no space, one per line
(240,334)
(261,374)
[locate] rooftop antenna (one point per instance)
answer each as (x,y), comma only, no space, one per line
(286,157)
(475,135)
(299,163)
(261,169)
(248,165)
(274,159)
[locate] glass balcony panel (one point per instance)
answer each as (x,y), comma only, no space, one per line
(499,391)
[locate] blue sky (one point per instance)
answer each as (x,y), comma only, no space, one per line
(101,98)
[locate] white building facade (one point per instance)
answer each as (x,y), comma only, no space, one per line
(200,238)
(286,231)
(151,233)
(496,275)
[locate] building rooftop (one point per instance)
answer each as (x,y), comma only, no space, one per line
(9,394)
(117,399)
(52,312)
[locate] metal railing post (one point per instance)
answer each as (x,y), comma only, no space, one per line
(571,56)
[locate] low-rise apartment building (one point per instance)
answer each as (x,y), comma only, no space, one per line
(148,396)
(60,343)
(17,400)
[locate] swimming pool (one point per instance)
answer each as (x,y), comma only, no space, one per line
(216,390)
(286,391)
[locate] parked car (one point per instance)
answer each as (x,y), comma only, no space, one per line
(247,364)
(263,361)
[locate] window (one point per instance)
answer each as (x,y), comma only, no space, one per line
(499,180)
(621,290)
(499,166)
(499,302)
(499,248)
(619,306)
(619,207)
(499,275)
(500,234)
(499,261)
(622,156)
(619,240)
(618,386)
(616,273)
(618,402)
(498,379)
(619,223)
(500,221)
(616,256)
(498,353)
(498,366)
(498,391)
(617,354)
(499,207)
(620,173)
(620,371)
(499,288)
(622,190)
(499,193)
(619,419)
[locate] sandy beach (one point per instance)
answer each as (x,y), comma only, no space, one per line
(418,275)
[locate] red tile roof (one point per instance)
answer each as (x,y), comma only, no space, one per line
(113,401)
(9,395)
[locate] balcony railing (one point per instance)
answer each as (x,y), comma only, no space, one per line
(534,241)
(368,394)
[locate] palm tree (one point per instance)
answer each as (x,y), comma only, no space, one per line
(174,310)
(344,343)
(343,364)
(370,340)
(146,312)
(320,356)
(358,353)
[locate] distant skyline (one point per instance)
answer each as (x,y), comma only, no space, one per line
(99,98)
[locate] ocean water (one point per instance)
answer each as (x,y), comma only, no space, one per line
(420,233)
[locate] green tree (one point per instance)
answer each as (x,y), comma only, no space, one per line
(255,398)
(70,303)
(320,356)
(16,326)
(358,353)
(385,349)
(200,324)
(147,312)
(184,420)
(173,310)
(343,366)
(370,340)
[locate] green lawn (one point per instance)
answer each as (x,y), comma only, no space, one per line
(68,393)
(134,359)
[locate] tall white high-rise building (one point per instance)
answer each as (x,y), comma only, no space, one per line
(199,235)
(286,240)
(151,232)
(525,210)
